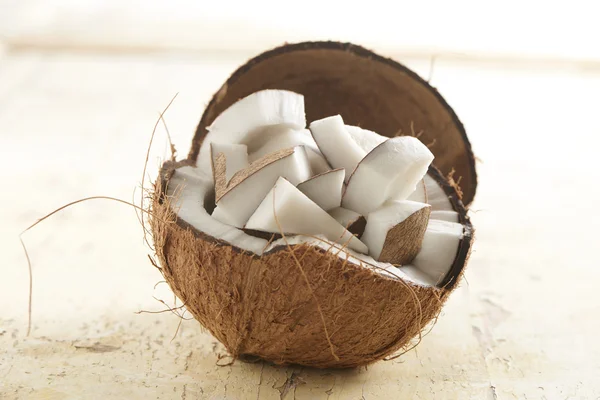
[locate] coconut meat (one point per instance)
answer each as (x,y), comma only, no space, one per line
(236,156)
(439,245)
(336,144)
(351,220)
(277,195)
(325,189)
(364,138)
(383,220)
(420,193)
(190,192)
(444,215)
(391,171)
(246,121)
(436,196)
(249,187)
(282,137)
(287,209)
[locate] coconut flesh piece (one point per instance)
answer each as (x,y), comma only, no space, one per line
(236,157)
(427,191)
(282,137)
(420,193)
(439,248)
(336,144)
(325,189)
(227,159)
(349,219)
(444,215)
(394,232)
(189,192)
(391,171)
(436,196)
(248,187)
(364,138)
(246,120)
(286,209)
(262,139)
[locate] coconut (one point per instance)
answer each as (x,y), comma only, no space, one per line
(352,220)
(305,298)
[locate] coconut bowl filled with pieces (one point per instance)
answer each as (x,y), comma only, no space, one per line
(310,224)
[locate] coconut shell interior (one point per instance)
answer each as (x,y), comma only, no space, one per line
(368,90)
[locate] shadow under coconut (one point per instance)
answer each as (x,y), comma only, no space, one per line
(254,378)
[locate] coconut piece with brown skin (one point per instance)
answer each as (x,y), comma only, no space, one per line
(299,300)
(282,137)
(391,171)
(254,119)
(325,189)
(351,220)
(286,209)
(248,187)
(395,231)
(227,159)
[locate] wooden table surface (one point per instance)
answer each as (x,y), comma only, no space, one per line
(524,323)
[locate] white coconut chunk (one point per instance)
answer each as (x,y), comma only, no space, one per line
(439,248)
(383,220)
(336,144)
(390,171)
(325,189)
(258,110)
(444,215)
(235,154)
(248,187)
(366,139)
(420,193)
(417,275)
(243,121)
(349,219)
(187,190)
(286,209)
(436,196)
(283,137)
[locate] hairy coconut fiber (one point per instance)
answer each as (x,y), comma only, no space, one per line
(294,305)
(301,304)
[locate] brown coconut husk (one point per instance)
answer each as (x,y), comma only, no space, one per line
(366,89)
(301,304)
(297,304)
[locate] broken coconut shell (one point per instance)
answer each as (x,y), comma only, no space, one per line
(303,304)
(366,89)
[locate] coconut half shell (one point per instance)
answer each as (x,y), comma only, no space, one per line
(303,304)
(366,89)
(322,311)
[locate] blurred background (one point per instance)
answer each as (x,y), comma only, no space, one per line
(81,83)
